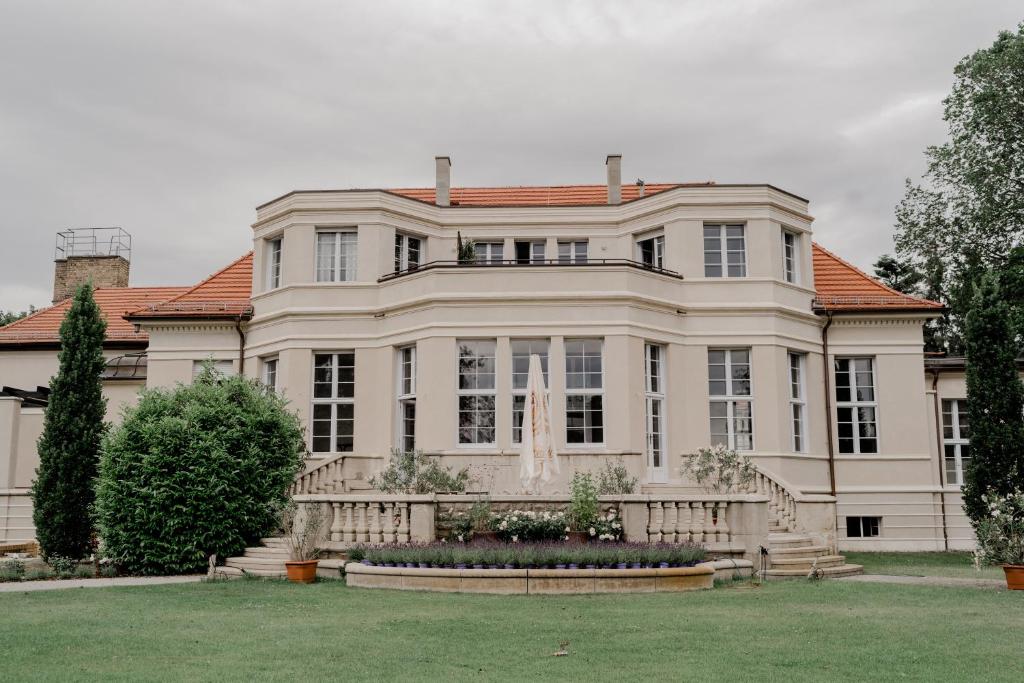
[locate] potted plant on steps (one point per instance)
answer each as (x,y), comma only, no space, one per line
(302,532)
(1001,536)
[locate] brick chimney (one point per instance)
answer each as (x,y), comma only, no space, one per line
(443,171)
(614,164)
(97,255)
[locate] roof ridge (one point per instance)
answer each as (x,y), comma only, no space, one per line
(238,260)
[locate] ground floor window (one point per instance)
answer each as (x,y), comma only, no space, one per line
(863,527)
(956,443)
(407,398)
(522,349)
(476,391)
(584,392)
(334,383)
(729,390)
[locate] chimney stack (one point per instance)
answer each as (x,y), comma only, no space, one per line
(614,164)
(97,255)
(443,170)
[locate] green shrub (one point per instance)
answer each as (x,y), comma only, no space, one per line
(719,469)
(615,480)
(584,507)
(517,526)
(63,567)
(413,472)
(523,555)
(12,570)
(195,470)
(1001,531)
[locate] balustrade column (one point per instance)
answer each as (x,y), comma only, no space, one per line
(654,521)
(348,532)
(362,531)
(403,522)
(669,527)
(389,522)
(709,521)
(697,522)
(683,522)
(723,527)
(336,522)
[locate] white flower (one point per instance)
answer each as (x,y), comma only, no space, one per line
(515,539)
(616,525)
(460,538)
(592,531)
(504,525)
(567,531)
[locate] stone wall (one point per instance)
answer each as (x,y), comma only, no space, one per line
(72,272)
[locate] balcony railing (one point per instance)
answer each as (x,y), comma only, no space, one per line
(528,264)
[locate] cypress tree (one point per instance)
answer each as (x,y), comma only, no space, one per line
(62,493)
(995,400)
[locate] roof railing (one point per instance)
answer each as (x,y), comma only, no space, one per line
(527,264)
(111,241)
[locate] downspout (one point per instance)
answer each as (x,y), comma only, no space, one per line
(241,345)
(828,405)
(938,447)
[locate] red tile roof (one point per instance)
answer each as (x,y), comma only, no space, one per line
(842,286)
(554,195)
(43,326)
(225,293)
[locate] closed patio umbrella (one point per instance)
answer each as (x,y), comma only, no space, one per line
(538,460)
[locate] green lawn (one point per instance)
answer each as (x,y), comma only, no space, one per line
(253,630)
(955,564)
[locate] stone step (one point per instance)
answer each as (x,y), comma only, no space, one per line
(274,542)
(235,572)
(800,551)
(787,540)
(826,572)
(272,553)
(807,562)
(255,564)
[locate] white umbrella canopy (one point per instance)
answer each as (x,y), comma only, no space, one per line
(538,459)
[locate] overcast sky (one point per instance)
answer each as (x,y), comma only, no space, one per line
(175,120)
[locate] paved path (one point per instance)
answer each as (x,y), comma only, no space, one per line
(946,581)
(25,586)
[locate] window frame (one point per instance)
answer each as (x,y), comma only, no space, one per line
(491,247)
(533,258)
(405,392)
(585,392)
(722,238)
(403,251)
(654,395)
(274,251)
(861,526)
(790,256)
(731,399)
(957,441)
(476,392)
(335,401)
(797,401)
(854,405)
(572,248)
(268,372)
(338,256)
(521,391)
(657,241)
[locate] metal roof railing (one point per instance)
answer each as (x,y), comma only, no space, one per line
(93,242)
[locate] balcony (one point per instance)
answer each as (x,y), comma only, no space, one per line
(534,264)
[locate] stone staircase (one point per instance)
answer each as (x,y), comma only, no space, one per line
(267,560)
(795,556)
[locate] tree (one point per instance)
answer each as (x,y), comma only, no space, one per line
(195,471)
(62,493)
(968,214)
(995,401)
(8,317)
(902,276)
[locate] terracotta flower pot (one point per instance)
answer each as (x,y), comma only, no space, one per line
(301,571)
(1014,576)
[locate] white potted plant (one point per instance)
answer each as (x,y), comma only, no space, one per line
(302,532)
(1001,536)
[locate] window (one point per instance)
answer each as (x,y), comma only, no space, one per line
(335,256)
(789,255)
(856,406)
(797,400)
(652,251)
(476,392)
(274,263)
(529,252)
(407,252)
(584,393)
(862,527)
(572,252)
(732,422)
(654,364)
(522,349)
(407,398)
(223,367)
(489,252)
(270,373)
(725,251)
(334,385)
(956,436)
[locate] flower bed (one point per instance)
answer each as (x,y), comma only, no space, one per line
(531,555)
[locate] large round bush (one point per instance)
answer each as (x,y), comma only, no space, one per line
(195,470)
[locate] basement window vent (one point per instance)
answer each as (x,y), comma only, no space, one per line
(863,527)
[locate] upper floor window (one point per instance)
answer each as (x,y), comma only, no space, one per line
(731,410)
(274,263)
(797,400)
(790,240)
(489,252)
(584,392)
(335,256)
(652,251)
(522,349)
(574,251)
(856,406)
(530,252)
(407,252)
(334,397)
(476,391)
(956,436)
(725,252)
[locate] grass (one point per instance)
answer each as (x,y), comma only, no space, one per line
(256,630)
(952,564)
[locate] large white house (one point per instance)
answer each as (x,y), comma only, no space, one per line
(667,316)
